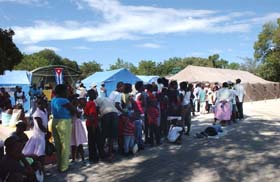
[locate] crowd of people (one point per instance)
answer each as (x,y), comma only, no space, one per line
(125,121)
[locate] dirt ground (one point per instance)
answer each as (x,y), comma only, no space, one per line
(248,152)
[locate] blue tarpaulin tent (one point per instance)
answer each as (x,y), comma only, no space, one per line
(110,78)
(148,79)
(10,79)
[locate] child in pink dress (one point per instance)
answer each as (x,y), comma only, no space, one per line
(78,132)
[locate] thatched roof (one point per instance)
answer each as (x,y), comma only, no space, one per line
(207,74)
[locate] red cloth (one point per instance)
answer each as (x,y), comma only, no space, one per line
(138,106)
(128,127)
(153,114)
(90,110)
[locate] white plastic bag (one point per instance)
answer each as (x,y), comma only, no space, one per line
(174,133)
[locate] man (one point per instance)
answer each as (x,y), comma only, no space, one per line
(94,88)
(109,122)
(103,90)
(116,97)
(196,92)
(19,96)
(240,92)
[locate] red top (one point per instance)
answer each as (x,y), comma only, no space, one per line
(90,110)
(153,114)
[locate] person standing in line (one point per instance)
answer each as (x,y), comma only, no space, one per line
(240,92)
(82,91)
(196,91)
(94,134)
(109,123)
(34,93)
(202,100)
(78,136)
(62,111)
(103,90)
(19,96)
(116,99)
(152,116)
(233,101)
(37,143)
(185,95)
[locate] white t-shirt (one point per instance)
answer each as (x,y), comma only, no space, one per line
(105,105)
(187,97)
(196,92)
(210,96)
(115,97)
(240,92)
(223,94)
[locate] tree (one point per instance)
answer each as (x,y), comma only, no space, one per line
(31,62)
(250,65)
(71,64)
(51,56)
(267,51)
(121,64)
(233,66)
(213,59)
(44,58)
(221,63)
(9,53)
(88,68)
(147,67)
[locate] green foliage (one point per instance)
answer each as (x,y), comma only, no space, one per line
(267,51)
(213,59)
(9,53)
(31,62)
(263,44)
(233,66)
(88,68)
(121,64)
(147,68)
(44,58)
(71,64)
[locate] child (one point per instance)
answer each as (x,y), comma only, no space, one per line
(94,134)
(78,136)
(153,114)
(36,145)
(128,133)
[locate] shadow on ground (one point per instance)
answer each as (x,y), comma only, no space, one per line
(249,152)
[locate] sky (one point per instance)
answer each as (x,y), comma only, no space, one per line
(135,30)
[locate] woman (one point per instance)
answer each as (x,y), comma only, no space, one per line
(222,108)
(62,110)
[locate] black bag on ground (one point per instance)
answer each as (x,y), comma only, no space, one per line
(211,131)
